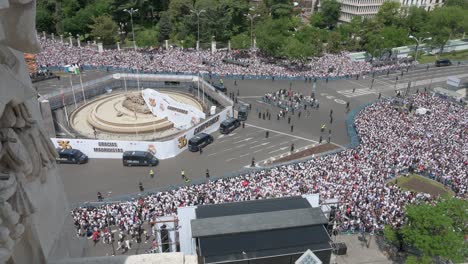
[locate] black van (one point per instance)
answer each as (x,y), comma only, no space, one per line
(229,125)
(71,156)
(139,158)
(243,112)
(443,62)
(199,141)
(220,87)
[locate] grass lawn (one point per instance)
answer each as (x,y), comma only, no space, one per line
(454,56)
(419,183)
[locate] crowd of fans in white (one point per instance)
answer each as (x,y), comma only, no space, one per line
(56,53)
(391,142)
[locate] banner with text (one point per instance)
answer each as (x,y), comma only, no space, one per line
(182,115)
(113,149)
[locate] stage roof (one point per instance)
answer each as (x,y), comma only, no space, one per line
(256,222)
(254,206)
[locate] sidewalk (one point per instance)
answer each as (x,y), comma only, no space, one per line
(358,252)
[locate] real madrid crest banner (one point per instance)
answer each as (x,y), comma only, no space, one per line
(182,115)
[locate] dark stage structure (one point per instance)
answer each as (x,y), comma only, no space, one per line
(261,231)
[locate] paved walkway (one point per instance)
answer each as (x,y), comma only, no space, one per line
(358,252)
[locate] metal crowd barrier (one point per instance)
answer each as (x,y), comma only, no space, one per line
(215,75)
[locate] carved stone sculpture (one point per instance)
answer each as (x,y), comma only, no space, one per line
(25,152)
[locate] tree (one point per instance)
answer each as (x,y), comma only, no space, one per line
(416,20)
(164,26)
(389,14)
(393,36)
(295,49)
(457,3)
(316,20)
(446,22)
(334,42)
(240,41)
(272,35)
(281,10)
(330,10)
(44,20)
(105,28)
(437,230)
(147,38)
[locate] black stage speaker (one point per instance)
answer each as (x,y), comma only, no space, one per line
(339,248)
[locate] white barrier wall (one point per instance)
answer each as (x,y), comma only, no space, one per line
(113,149)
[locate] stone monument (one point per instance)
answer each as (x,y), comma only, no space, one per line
(27,157)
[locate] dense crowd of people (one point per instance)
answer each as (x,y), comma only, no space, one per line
(288,100)
(392,142)
(56,53)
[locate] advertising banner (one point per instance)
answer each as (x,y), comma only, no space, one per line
(182,115)
(113,149)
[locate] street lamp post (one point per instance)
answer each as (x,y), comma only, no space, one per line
(131,12)
(251,17)
(198,13)
(418,43)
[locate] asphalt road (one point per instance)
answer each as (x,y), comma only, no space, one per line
(235,151)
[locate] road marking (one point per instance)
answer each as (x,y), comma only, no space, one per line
(240,146)
(230,159)
(356,83)
(230,135)
(237,137)
(286,142)
(246,139)
(257,150)
(263,144)
(244,155)
(212,154)
(220,136)
(253,96)
(271,147)
(254,142)
(286,134)
(252,133)
(357,92)
(283,148)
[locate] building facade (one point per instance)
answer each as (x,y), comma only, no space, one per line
(369,8)
(426,4)
(361,8)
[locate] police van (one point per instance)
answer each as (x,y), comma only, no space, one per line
(229,125)
(243,112)
(71,156)
(199,141)
(139,158)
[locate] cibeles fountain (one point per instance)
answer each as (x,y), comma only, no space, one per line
(35,222)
